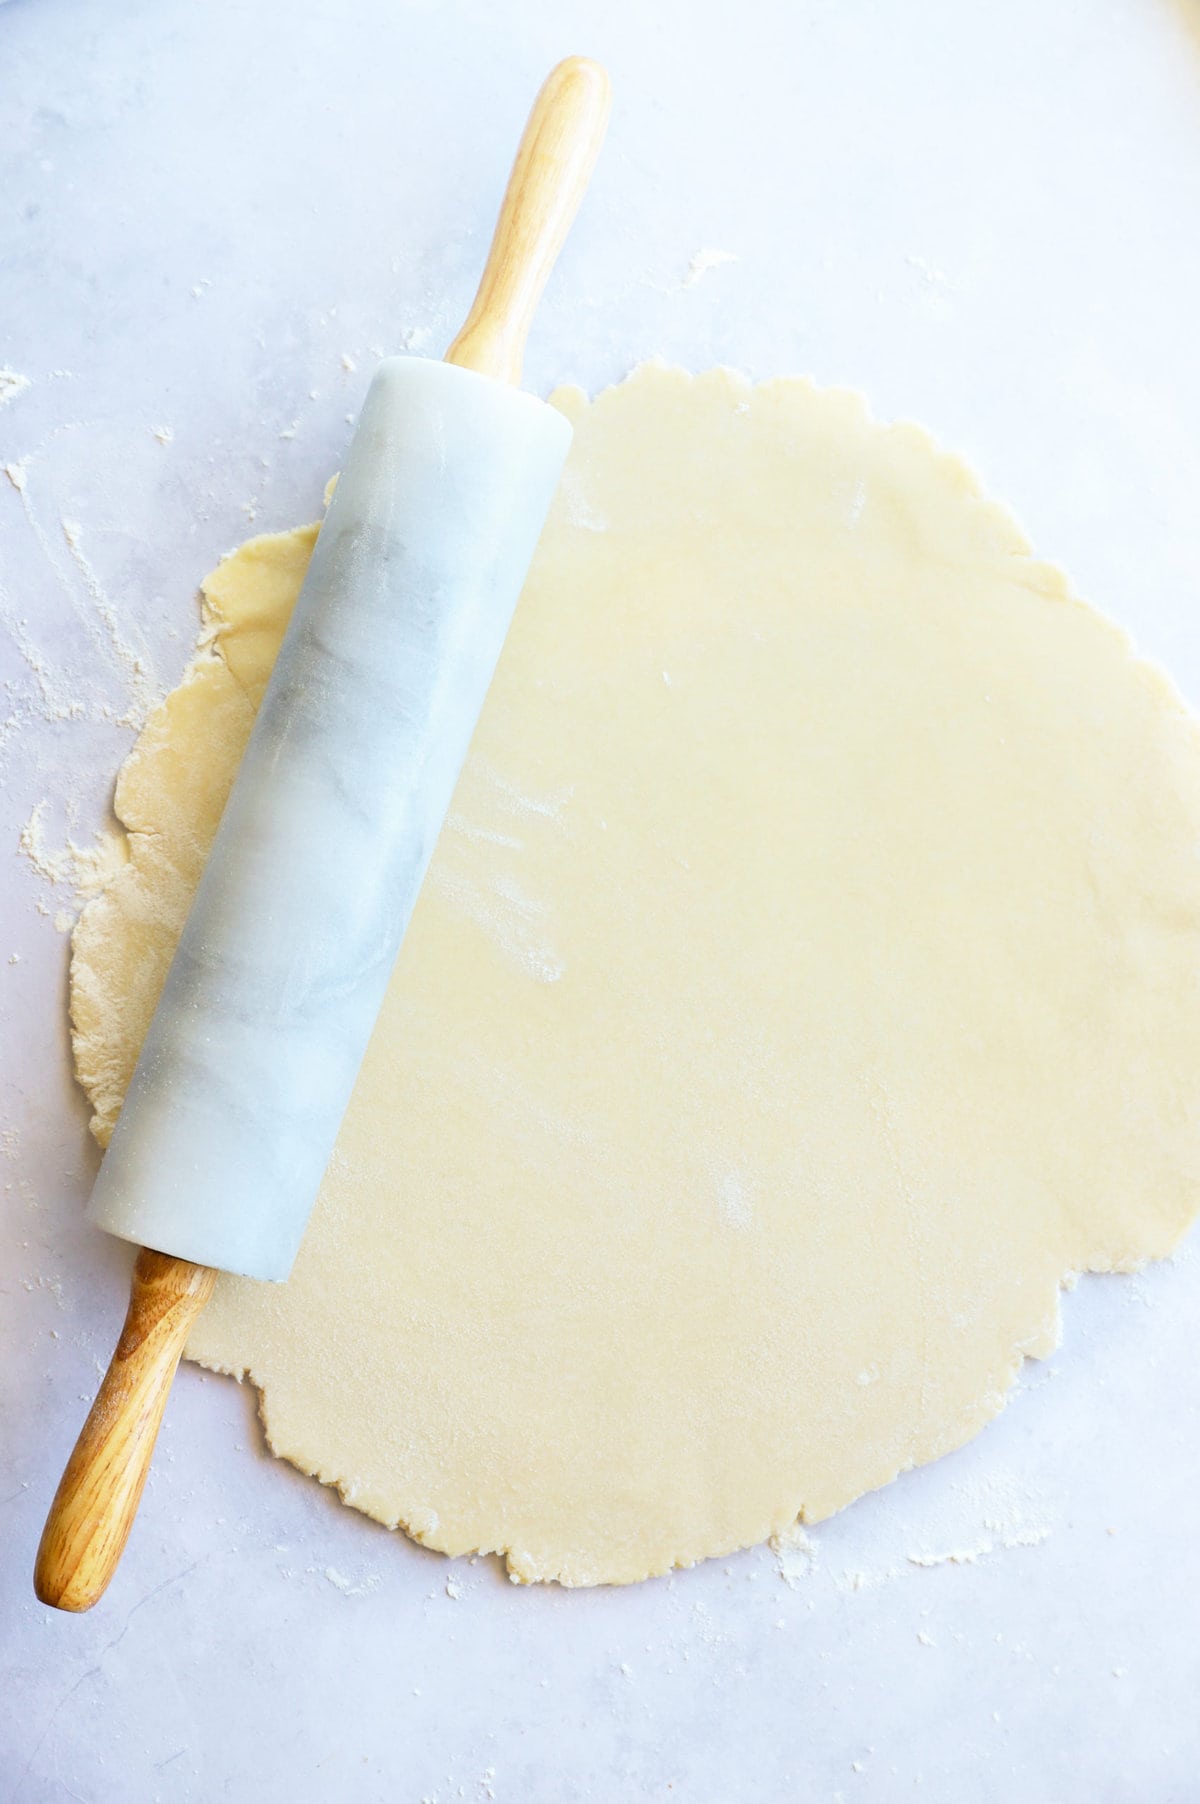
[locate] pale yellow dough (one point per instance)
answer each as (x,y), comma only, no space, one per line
(808,978)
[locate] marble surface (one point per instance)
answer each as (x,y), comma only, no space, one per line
(248,1065)
(215,220)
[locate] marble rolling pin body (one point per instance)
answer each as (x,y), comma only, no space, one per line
(248,1065)
(249,1062)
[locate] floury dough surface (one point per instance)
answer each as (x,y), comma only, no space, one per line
(806,981)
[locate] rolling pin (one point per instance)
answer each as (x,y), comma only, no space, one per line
(248,1065)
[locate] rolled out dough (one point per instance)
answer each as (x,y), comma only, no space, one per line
(808,978)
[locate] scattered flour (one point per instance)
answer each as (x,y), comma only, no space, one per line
(84,870)
(346,1586)
(927,270)
(857,1578)
(12,384)
(969,1521)
(145,690)
(51,1285)
(703,261)
(1000,1512)
(989,1543)
(934,291)
(114,655)
(796,1555)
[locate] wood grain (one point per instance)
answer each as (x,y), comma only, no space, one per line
(97,1500)
(555,158)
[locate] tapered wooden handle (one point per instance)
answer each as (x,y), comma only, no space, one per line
(554,160)
(97,1500)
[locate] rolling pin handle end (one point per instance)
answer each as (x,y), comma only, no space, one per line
(554,163)
(98,1496)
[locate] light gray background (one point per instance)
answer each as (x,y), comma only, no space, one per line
(987,217)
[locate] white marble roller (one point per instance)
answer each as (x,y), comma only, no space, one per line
(253,1051)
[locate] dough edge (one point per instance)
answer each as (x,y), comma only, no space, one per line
(94,1073)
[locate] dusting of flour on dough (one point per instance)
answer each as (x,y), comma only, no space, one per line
(519,801)
(579,509)
(85,871)
(517,922)
(735,1197)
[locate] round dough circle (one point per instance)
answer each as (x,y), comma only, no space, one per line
(805,982)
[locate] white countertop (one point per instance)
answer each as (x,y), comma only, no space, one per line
(986,218)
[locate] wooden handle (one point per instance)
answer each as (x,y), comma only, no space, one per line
(97,1500)
(554,160)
